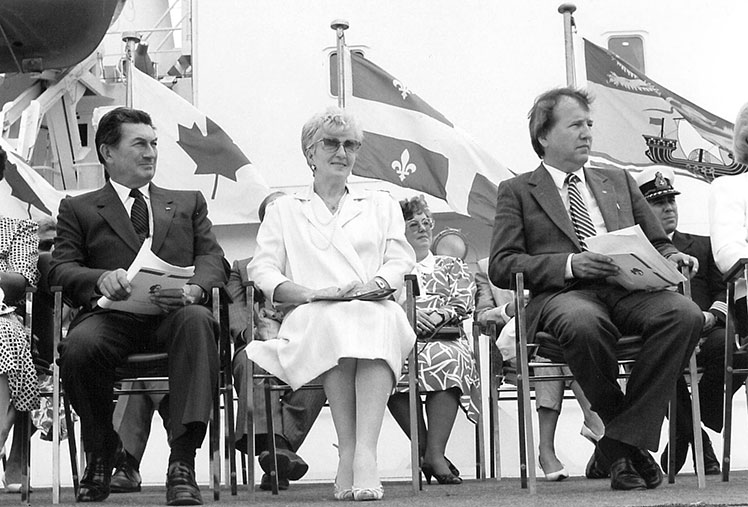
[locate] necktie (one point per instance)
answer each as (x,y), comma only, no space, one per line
(580,217)
(139,215)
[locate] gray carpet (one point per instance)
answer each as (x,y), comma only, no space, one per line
(574,492)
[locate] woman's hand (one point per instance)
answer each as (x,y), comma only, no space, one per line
(427,320)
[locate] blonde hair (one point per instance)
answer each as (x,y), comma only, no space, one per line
(333,117)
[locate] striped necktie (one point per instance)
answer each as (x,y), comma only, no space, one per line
(580,217)
(139,215)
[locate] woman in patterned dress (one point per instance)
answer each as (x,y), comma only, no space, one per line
(18,256)
(446,367)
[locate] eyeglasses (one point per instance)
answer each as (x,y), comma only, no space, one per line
(415,225)
(333,145)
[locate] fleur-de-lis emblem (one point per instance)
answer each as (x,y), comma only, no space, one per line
(404,90)
(404,167)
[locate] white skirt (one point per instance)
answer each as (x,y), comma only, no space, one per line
(313,337)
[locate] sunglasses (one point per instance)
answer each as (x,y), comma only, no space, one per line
(333,145)
(415,225)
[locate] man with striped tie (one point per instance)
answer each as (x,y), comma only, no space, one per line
(98,236)
(542,220)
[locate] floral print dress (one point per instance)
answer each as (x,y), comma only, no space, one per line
(447,287)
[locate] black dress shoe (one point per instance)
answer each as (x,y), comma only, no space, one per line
(711,463)
(290,465)
(181,488)
(681,451)
(623,476)
(596,466)
(647,468)
(94,486)
(126,477)
(267,485)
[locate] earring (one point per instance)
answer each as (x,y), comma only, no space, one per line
(313,167)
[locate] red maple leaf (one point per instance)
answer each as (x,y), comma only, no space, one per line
(213,153)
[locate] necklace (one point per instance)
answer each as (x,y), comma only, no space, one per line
(333,204)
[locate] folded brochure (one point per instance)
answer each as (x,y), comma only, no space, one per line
(147,272)
(374,295)
(642,267)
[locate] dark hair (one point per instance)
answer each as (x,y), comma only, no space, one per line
(414,206)
(541,115)
(3,159)
(109,131)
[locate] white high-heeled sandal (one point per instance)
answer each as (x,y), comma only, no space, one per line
(366,494)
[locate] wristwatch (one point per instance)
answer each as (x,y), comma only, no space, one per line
(381,282)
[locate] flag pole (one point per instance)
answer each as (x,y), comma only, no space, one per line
(567,9)
(340,26)
(131,40)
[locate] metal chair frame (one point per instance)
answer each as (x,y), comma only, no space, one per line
(739,271)
(627,351)
(153,365)
(411,287)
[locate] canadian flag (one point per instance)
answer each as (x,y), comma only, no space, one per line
(197,154)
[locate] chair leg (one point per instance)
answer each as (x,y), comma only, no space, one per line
(230,442)
(270,438)
(249,387)
(214,429)
(23,424)
(672,437)
(727,427)
(698,442)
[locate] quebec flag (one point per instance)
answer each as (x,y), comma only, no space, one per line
(196,154)
(410,144)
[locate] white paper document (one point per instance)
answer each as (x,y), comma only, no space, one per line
(145,272)
(642,266)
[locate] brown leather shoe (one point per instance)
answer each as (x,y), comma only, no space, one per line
(181,488)
(94,486)
(647,468)
(623,476)
(596,466)
(126,477)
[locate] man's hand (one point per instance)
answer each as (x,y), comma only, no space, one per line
(169,300)
(709,322)
(114,285)
(680,259)
(592,265)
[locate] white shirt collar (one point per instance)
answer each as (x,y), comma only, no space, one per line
(559,176)
(124,193)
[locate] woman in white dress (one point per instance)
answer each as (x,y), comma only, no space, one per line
(332,241)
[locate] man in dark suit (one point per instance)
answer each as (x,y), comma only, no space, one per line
(534,233)
(707,291)
(293,412)
(98,236)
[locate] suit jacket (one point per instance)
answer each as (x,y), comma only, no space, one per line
(533,233)
(238,312)
(95,234)
(707,287)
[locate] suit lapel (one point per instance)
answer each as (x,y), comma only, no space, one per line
(163,209)
(546,194)
(113,212)
(682,241)
(605,195)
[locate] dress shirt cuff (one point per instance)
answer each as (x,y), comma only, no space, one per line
(502,312)
(568,274)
